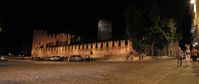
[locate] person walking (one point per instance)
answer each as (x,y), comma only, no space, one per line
(129,57)
(194,54)
(180,56)
(188,56)
(141,57)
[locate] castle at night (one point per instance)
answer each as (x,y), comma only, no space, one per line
(47,45)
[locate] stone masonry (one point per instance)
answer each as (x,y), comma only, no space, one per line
(42,46)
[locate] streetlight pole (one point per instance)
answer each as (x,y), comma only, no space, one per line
(194,11)
(194,28)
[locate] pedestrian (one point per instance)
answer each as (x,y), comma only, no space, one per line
(180,56)
(194,54)
(188,56)
(90,56)
(129,56)
(141,57)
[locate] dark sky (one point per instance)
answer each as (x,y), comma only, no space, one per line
(18,18)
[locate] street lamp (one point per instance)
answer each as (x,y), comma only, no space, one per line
(194,11)
(193,1)
(194,28)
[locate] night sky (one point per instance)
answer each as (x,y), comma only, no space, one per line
(18,18)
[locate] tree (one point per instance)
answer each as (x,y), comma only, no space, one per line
(135,22)
(148,29)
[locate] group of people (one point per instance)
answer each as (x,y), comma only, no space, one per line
(187,55)
(130,56)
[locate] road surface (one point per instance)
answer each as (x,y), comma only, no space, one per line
(159,71)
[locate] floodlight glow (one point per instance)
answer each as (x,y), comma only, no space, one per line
(193,1)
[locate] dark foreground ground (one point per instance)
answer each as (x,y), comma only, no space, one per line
(164,71)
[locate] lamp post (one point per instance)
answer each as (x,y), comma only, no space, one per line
(194,28)
(194,11)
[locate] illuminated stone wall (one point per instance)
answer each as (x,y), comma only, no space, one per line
(106,50)
(41,39)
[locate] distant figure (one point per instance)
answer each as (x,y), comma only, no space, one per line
(90,56)
(188,56)
(194,54)
(141,57)
(179,56)
(129,56)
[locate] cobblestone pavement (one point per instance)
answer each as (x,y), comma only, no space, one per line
(182,75)
(157,71)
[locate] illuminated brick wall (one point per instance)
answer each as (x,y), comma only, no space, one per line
(42,39)
(106,49)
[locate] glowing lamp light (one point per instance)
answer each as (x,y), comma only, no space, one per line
(194,7)
(195,44)
(193,1)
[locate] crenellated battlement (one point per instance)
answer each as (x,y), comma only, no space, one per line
(46,45)
(119,49)
(43,39)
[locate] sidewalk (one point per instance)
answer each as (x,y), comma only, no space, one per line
(182,75)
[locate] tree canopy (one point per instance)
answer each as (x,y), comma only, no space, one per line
(148,28)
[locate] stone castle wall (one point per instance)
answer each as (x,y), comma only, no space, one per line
(105,49)
(42,38)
